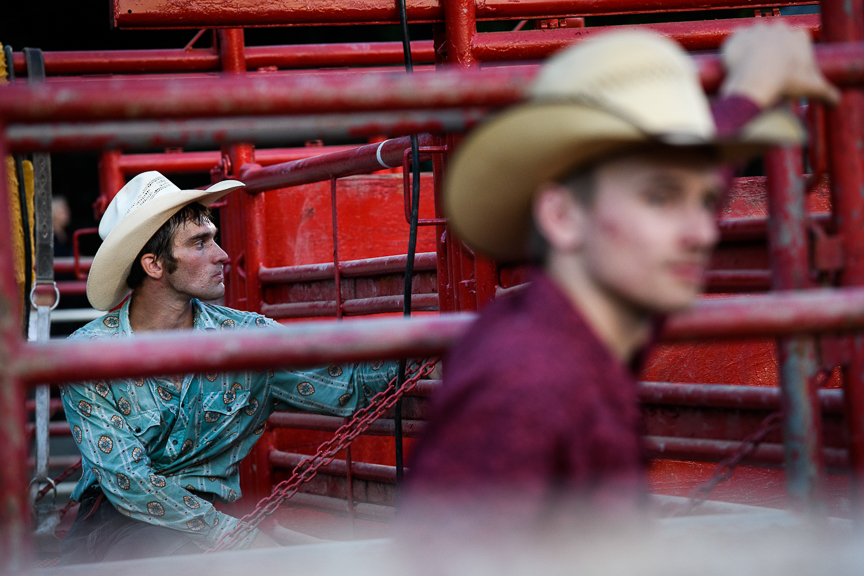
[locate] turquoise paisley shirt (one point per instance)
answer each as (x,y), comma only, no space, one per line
(150,442)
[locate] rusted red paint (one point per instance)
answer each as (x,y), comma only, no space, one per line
(168,14)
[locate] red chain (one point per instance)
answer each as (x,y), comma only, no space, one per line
(63,475)
(726,467)
(326,453)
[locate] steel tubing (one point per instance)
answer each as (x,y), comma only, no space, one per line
(307,93)
(193,162)
(790,263)
(73,63)
(539,44)
(698,395)
(306,421)
(212,132)
(669,447)
(778,313)
(228,13)
(362,510)
(423,262)
(353,307)
(843,22)
(359,160)
(315,343)
(360,470)
(300,344)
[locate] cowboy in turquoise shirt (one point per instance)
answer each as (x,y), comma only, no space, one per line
(162,449)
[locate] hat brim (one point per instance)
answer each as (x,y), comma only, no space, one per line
(106,283)
(501,164)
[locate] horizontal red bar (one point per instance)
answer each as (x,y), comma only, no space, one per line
(423,262)
(306,421)
(539,44)
(357,160)
(73,63)
(191,162)
(177,352)
(236,13)
(359,470)
(307,93)
(672,448)
(354,307)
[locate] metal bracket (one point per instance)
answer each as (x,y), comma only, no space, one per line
(406,181)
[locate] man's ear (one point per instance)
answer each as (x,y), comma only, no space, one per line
(560,217)
(152,266)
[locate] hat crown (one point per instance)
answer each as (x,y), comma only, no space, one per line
(140,190)
(643,78)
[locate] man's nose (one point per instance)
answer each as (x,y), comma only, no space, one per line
(220,255)
(701,231)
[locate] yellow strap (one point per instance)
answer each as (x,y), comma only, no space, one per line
(4,73)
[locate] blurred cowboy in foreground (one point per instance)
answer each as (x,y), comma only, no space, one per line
(609,179)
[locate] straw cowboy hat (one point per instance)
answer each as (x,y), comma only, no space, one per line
(604,96)
(138,210)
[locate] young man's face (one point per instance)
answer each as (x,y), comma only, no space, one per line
(650,229)
(200,262)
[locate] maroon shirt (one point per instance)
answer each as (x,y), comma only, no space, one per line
(535,407)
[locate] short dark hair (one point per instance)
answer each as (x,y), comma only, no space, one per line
(161,244)
(580,183)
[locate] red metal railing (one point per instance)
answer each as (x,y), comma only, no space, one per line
(464,280)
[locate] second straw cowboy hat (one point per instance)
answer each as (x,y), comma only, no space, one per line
(606,95)
(138,210)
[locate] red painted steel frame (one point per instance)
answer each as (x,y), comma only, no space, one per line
(168,14)
(14,515)
(255,95)
(788,242)
(844,22)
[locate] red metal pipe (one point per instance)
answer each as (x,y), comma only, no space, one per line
(331,505)
(539,44)
(191,162)
(73,63)
(762,398)
(353,307)
(790,263)
(307,93)
(300,344)
(359,160)
(306,421)
(843,22)
(715,450)
(160,14)
(66,265)
(423,262)
(777,313)
(111,179)
(315,343)
(14,513)
(360,470)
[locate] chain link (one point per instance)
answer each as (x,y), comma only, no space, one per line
(63,475)
(726,467)
(326,453)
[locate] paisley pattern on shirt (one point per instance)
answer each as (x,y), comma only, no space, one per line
(148,443)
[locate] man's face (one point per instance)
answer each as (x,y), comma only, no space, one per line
(650,229)
(200,260)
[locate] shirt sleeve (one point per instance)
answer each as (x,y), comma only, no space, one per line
(338,389)
(110,449)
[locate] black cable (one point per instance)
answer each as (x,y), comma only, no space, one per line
(412,244)
(25,216)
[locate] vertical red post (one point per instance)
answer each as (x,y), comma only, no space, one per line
(445,295)
(843,21)
(243,232)
(14,515)
(787,238)
(111,179)
(337,276)
(244,210)
(461,26)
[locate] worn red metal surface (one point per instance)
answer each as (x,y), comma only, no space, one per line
(844,22)
(168,14)
(253,95)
